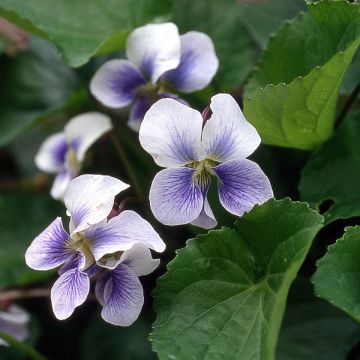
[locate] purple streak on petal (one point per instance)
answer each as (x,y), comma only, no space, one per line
(76,261)
(48,250)
(104,277)
(242,184)
(206,219)
(174,198)
(138,110)
(116,82)
(123,297)
(69,291)
(198,63)
(59,152)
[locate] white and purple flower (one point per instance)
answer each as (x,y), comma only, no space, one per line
(160,62)
(193,150)
(62,153)
(14,321)
(116,250)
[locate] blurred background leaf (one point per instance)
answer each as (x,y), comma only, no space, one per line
(80,28)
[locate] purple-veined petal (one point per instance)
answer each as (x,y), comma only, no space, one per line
(206,219)
(83,130)
(174,198)
(242,184)
(61,183)
(139,259)
(227,135)
(103,278)
(137,112)
(171,133)
(48,250)
(116,82)
(69,291)
(198,63)
(154,48)
(90,198)
(120,233)
(51,155)
(14,321)
(123,297)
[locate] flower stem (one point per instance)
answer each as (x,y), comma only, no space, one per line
(122,155)
(11,295)
(344,111)
(24,348)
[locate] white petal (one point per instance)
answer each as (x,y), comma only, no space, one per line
(116,82)
(227,135)
(51,155)
(139,259)
(198,63)
(154,48)
(90,198)
(60,184)
(171,133)
(120,233)
(83,130)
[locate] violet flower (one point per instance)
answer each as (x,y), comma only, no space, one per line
(62,153)
(192,152)
(14,321)
(117,249)
(160,62)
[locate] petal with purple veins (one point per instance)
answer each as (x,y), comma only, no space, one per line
(116,82)
(175,198)
(206,219)
(242,184)
(51,155)
(139,259)
(198,63)
(48,250)
(138,110)
(68,292)
(171,133)
(120,233)
(154,48)
(227,135)
(90,198)
(83,130)
(123,297)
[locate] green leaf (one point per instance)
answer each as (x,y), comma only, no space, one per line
(237,31)
(331,177)
(34,84)
(316,331)
(224,294)
(337,278)
(129,343)
(306,60)
(79,28)
(23,217)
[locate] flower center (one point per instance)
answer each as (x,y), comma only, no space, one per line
(72,160)
(80,244)
(203,172)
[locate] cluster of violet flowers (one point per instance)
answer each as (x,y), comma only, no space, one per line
(192,148)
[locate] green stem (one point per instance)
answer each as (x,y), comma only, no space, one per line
(122,155)
(24,348)
(348,105)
